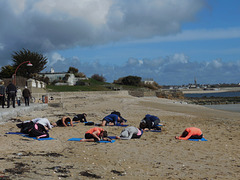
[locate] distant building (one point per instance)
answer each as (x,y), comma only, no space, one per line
(62,78)
(148,81)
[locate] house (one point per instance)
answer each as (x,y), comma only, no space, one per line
(148,81)
(62,78)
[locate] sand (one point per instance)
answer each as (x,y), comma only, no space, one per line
(154,156)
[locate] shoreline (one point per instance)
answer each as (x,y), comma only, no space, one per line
(219,90)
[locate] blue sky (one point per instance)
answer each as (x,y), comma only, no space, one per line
(171,41)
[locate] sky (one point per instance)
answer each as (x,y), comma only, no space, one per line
(173,42)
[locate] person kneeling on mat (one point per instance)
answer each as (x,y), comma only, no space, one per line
(191,133)
(95,134)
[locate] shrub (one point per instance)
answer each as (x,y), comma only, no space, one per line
(98,77)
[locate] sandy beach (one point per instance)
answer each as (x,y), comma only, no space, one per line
(157,155)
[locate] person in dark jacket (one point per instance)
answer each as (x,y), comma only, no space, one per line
(26,94)
(80,118)
(11,91)
(2,94)
(150,122)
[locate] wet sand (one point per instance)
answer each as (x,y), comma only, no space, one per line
(154,156)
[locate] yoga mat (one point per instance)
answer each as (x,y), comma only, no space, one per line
(159,125)
(41,139)
(203,139)
(75,139)
(102,141)
(14,133)
(112,137)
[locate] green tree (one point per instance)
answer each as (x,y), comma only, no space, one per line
(38,61)
(129,80)
(98,77)
(6,71)
(73,70)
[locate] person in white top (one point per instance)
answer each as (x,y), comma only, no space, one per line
(43,121)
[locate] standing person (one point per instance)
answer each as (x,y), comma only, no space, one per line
(2,94)
(26,94)
(11,91)
(19,96)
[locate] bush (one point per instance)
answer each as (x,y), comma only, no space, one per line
(98,77)
(132,80)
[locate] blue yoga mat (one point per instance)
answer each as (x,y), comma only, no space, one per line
(75,139)
(112,137)
(203,139)
(41,139)
(102,141)
(14,133)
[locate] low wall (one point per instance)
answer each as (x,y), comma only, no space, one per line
(8,113)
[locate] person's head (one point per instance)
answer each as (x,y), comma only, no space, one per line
(25,87)
(68,119)
(142,125)
(85,114)
(103,134)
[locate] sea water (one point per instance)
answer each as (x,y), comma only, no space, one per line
(214,94)
(226,107)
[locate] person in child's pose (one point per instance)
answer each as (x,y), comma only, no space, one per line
(191,133)
(111,119)
(130,132)
(64,122)
(150,122)
(95,134)
(80,118)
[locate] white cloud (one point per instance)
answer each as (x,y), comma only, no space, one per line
(48,25)
(55,58)
(176,69)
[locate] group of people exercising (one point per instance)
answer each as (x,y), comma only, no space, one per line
(39,127)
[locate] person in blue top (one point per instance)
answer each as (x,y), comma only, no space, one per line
(150,122)
(111,120)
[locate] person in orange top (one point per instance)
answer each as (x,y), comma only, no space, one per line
(191,133)
(95,134)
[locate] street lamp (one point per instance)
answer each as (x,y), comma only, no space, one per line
(14,75)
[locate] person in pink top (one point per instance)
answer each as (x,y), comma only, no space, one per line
(191,133)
